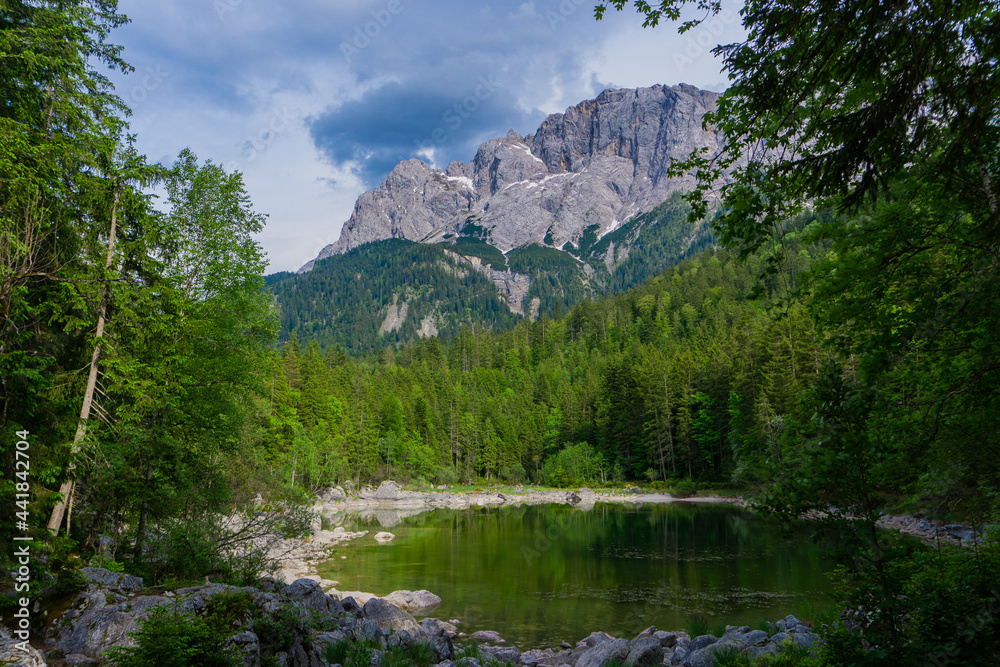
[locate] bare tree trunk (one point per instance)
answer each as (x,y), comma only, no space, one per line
(68,488)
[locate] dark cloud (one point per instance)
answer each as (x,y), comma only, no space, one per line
(398,121)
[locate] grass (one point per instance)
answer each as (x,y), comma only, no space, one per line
(698,626)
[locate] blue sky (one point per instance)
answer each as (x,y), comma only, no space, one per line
(316,100)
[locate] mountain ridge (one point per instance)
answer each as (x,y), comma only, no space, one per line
(601,162)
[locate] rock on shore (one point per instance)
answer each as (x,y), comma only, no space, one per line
(106,613)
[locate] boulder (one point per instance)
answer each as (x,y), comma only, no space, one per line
(248,647)
(367,630)
(700,642)
(612,651)
(389,490)
(310,594)
(79,660)
(595,639)
(960,532)
(666,639)
(419,602)
(502,653)
(98,577)
(439,639)
(402,639)
(11,655)
(384,536)
(351,606)
(333,494)
(487,637)
(645,651)
(390,617)
(99,620)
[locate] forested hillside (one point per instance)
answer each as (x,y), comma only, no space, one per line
(682,377)
(345,299)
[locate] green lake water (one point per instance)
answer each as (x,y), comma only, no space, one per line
(543,574)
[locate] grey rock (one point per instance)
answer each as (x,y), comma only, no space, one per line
(741,637)
(602,654)
(597,163)
(366,630)
(445,663)
(97,621)
(594,639)
(645,651)
(390,617)
(666,639)
(351,606)
(116,581)
(700,642)
(488,637)
(508,654)
(420,602)
(11,654)
(705,657)
(791,621)
(960,532)
(80,660)
(439,639)
(804,639)
(248,646)
(780,638)
(310,594)
(467,662)
(402,639)
(389,490)
(333,494)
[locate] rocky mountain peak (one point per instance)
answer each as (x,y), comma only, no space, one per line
(586,170)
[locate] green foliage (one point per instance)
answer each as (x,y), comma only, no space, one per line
(697,626)
(422,653)
(335,653)
(107,563)
(280,628)
(171,637)
(790,655)
(473,247)
(228,610)
(69,582)
(322,304)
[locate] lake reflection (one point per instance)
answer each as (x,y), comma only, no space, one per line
(544,574)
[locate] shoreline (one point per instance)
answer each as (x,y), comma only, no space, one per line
(390,504)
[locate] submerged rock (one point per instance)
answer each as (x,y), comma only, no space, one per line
(419,602)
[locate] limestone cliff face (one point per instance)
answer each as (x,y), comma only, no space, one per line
(599,163)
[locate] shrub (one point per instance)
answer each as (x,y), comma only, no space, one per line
(698,626)
(227,610)
(684,488)
(69,582)
(335,653)
(170,637)
(422,654)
